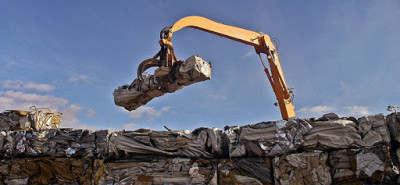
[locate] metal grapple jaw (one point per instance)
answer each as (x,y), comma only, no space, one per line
(165,57)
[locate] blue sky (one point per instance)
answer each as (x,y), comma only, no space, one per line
(339,56)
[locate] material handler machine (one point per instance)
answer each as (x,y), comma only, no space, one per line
(261,42)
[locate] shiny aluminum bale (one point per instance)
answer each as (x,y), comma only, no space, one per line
(165,80)
(37,119)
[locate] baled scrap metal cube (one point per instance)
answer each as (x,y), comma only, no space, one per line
(302,168)
(7,121)
(54,143)
(165,80)
(343,165)
(6,144)
(194,69)
(47,170)
(332,134)
(374,130)
(393,121)
(37,119)
(201,143)
(252,170)
(157,170)
(267,138)
(372,165)
(101,142)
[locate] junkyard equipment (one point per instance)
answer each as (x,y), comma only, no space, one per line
(260,41)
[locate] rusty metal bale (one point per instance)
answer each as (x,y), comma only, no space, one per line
(48,170)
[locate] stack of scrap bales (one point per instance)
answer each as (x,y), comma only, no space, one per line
(352,144)
(165,80)
(327,150)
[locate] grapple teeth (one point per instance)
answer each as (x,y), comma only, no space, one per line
(146,64)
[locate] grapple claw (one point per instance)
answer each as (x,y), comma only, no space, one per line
(146,64)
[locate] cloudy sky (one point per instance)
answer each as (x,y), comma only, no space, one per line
(339,56)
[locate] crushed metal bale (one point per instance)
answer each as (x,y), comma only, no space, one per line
(252,171)
(332,133)
(200,143)
(156,171)
(359,166)
(36,119)
(266,138)
(374,130)
(302,168)
(165,80)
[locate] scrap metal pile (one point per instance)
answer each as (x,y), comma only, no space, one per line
(165,80)
(327,150)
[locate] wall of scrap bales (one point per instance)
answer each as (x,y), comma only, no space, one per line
(327,150)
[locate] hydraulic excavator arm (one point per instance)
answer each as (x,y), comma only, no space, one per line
(260,41)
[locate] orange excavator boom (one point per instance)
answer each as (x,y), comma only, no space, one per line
(260,41)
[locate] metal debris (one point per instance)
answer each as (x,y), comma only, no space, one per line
(156,171)
(257,171)
(37,119)
(266,138)
(374,130)
(48,171)
(302,168)
(359,152)
(332,134)
(361,165)
(201,143)
(165,80)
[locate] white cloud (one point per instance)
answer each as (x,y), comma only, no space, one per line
(354,110)
(320,109)
(357,110)
(21,100)
(21,85)
(79,79)
(12,100)
(148,112)
(129,126)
